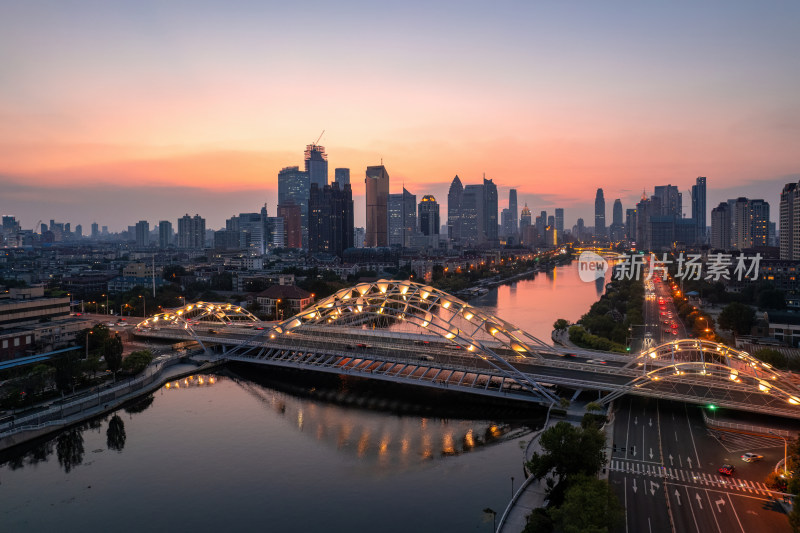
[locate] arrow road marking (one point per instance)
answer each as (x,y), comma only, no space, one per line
(689,460)
(635,419)
(634,485)
(654,487)
(651,422)
(718,502)
(670,460)
(699,503)
(651,453)
(633,451)
(678,495)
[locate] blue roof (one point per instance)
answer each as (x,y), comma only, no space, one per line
(38,358)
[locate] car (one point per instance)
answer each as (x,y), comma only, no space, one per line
(570,355)
(749,457)
(213,332)
(727,470)
(259,328)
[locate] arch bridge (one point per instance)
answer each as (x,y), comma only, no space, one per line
(412,333)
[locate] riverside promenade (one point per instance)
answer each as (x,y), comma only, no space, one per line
(84,405)
(531,494)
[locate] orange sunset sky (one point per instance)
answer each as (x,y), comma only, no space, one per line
(120,111)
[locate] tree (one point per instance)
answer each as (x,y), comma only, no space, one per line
(567,450)
(560,324)
(738,318)
(590,506)
(112,351)
(772,357)
(115,434)
(173,273)
(538,521)
(137,361)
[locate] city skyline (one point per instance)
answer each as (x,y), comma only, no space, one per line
(185,108)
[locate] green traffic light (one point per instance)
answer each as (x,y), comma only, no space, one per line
(712,406)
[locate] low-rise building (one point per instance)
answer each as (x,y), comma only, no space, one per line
(270,299)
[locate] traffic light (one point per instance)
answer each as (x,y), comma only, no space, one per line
(712,407)
(628,349)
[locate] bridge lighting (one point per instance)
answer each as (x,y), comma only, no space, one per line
(468,315)
(446,304)
(794,401)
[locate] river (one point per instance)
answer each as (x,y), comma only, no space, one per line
(238,451)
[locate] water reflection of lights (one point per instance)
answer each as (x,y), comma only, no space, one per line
(191,381)
(380,440)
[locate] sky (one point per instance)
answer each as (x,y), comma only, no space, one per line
(117,111)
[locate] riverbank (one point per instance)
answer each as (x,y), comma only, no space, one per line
(80,407)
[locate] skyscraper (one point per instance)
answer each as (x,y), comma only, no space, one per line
(142,234)
(341,176)
(721,227)
(630,224)
(560,222)
(292,224)
(402,218)
(759,216)
(95,230)
(671,200)
(454,196)
(599,214)
(316,165)
(790,222)
(293,188)
(699,208)
(514,212)
(164,234)
(377,195)
(191,232)
(330,219)
(617,229)
(525,227)
(490,208)
(429,215)
(473,220)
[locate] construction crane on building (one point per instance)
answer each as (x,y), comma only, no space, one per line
(318,138)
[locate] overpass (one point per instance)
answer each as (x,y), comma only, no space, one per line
(411,333)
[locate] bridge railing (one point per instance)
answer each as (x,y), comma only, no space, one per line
(713,422)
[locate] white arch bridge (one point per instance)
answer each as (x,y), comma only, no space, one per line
(411,333)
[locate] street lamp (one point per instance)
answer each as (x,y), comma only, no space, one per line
(785,446)
(278,301)
(184,300)
(90,332)
(144,306)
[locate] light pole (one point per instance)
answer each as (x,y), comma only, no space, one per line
(277,302)
(90,332)
(144,306)
(785,446)
(184,300)
(512,487)
(106,295)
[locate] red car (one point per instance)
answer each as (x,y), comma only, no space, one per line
(727,470)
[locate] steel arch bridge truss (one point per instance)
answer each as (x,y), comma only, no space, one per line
(202,313)
(384,303)
(700,366)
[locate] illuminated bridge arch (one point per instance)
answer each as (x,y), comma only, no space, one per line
(433,311)
(701,363)
(202,314)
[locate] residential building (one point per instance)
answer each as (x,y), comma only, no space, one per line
(401,212)
(721,227)
(790,222)
(142,234)
(191,232)
(294,188)
(699,208)
(291,214)
(330,219)
(164,234)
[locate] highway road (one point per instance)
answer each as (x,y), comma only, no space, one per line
(664,466)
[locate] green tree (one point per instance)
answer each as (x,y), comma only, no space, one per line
(590,506)
(538,521)
(560,324)
(115,434)
(137,361)
(771,356)
(112,351)
(738,318)
(173,273)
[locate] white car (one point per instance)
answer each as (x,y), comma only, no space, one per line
(750,457)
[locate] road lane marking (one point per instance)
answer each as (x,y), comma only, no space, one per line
(625,492)
(689,423)
(733,508)
(710,504)
(691,508)
(627,431)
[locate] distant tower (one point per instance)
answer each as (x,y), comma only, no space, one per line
(454,197)
(316,165)
(377,189)
(164,234)
(342,177)
(142,234)
(513,212)
(699,208)
(789,222)
(428,215)
(599,214)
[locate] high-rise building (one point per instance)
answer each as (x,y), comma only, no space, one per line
(164,234)
(750,223)
(401,224)
(616,231)
(759,216)
(490,209)
(721,227)
(191,232)
(599,215)
(330,226)
(630,224)
(316,165)
(78,231)
(617,212)
(514,213)
(250,231)
(580,229)
(526,227)
(293,187)
(670,200)
(377,196)
(95,230)
(429,216)
(454,196)
(505,225)
(142,234)
(644,210)
(790,222)
(560,222)
(473,219)
(342,177)
(699,207)
(291,215)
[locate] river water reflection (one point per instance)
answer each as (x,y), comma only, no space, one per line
(233,452)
